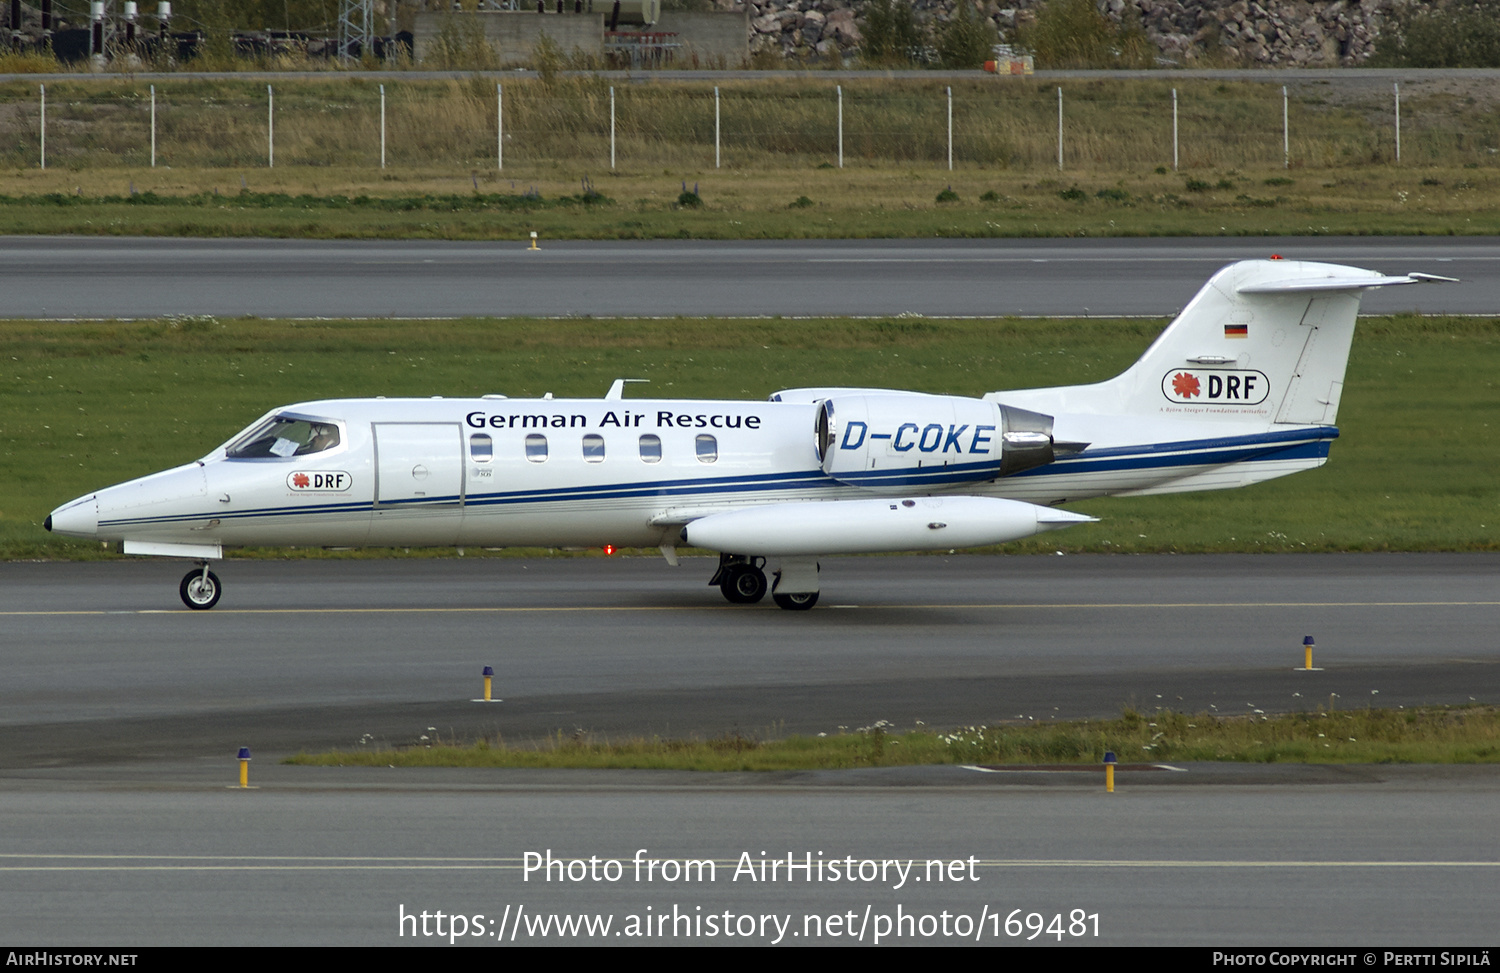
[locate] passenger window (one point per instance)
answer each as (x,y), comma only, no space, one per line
(650,449)
(593,448)
(481,448)
(708,449)
(536,448)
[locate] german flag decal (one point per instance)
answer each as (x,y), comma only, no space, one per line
(1236,330)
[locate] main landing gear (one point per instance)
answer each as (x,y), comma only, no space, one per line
(200,588)
(796,603)
(742,579)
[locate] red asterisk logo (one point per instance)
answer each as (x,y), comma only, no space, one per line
(300,479)
(1185,385)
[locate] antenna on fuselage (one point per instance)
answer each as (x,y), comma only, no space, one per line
(617,390)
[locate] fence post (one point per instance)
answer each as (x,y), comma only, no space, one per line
(1174,129)
(382,126)
(950,129)
(44,126)
(611,126)
(716,126)
(153,126)
(1059,129)
(499,128)
(270,128)
(840,89)
(1286,133)
(1397,87)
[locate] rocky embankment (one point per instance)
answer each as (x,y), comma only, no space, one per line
(1250,33)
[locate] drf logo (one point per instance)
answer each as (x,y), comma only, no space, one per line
(319,481)
(1217,386)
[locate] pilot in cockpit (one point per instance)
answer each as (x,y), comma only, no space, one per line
(324,436)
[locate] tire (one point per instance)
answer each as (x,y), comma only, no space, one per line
(744,584)
(796,603)
(198,594)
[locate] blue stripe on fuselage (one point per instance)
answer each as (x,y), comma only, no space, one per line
(1305,443)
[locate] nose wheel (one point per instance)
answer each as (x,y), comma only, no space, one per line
(200,589)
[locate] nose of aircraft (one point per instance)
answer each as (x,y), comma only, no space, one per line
(80,518)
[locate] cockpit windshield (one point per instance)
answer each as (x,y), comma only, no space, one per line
(283,436)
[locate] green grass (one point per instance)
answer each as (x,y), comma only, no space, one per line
(1428,735)
(87,404)
(880,202)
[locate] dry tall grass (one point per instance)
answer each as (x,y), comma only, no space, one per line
(772,123)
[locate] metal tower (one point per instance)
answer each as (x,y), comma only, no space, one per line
(356,28)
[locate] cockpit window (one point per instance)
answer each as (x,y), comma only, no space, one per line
(283,436)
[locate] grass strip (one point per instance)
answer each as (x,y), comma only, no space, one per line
(778,203)
(1424,735)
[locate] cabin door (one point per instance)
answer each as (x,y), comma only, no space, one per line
(418,464)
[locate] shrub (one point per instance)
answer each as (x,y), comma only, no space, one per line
(1449,34)
(1074,34)
(547,59)
(460,45)
(891,35)
(967,40)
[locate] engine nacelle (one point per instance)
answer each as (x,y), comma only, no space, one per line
(906,440)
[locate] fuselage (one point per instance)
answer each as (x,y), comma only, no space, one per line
(498,472)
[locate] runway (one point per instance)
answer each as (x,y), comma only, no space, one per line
(76,277)
(1405,860)
(318,654)
(121,713)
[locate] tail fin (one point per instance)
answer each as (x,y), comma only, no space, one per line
(1264,340)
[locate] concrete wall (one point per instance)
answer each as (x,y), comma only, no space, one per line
(513,34)
(713,37)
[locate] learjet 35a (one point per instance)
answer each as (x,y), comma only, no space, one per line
(1243,386)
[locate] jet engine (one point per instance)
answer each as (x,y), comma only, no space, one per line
(901,440)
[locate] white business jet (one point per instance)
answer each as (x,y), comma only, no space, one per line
(1243,386)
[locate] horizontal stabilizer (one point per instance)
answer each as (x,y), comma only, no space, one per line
(1337,283)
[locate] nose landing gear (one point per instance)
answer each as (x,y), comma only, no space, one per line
(200,588)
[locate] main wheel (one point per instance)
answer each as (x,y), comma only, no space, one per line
(744,584)
(796,603)
(200,591)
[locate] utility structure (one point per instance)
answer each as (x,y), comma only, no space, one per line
(356,27)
